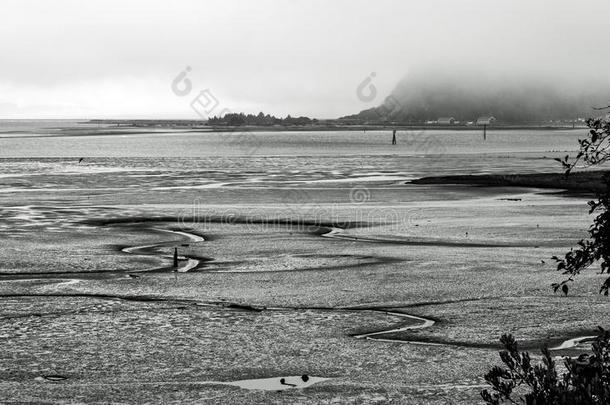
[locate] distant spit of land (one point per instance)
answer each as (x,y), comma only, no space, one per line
(585,182)
(321,125)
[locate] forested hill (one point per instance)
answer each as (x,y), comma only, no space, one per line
(422,97)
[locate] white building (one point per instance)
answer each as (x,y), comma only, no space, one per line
(486,120)
(446,120)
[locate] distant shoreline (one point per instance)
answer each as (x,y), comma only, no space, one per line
(583,183)
(200,126)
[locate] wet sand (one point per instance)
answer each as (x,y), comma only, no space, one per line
(383,288)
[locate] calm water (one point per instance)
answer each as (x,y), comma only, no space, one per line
(44,155)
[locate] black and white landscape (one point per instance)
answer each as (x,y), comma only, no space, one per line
(233,202)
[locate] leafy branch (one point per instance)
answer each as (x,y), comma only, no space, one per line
(586,381)
(594,150)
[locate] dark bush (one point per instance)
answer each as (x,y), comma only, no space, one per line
(585,382)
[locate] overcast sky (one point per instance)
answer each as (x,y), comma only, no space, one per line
(79,59)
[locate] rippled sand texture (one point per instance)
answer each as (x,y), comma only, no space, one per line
(287,266)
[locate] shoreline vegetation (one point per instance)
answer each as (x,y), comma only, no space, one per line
(577,183)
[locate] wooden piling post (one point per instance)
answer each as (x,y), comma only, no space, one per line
(484,132)
(175,257)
